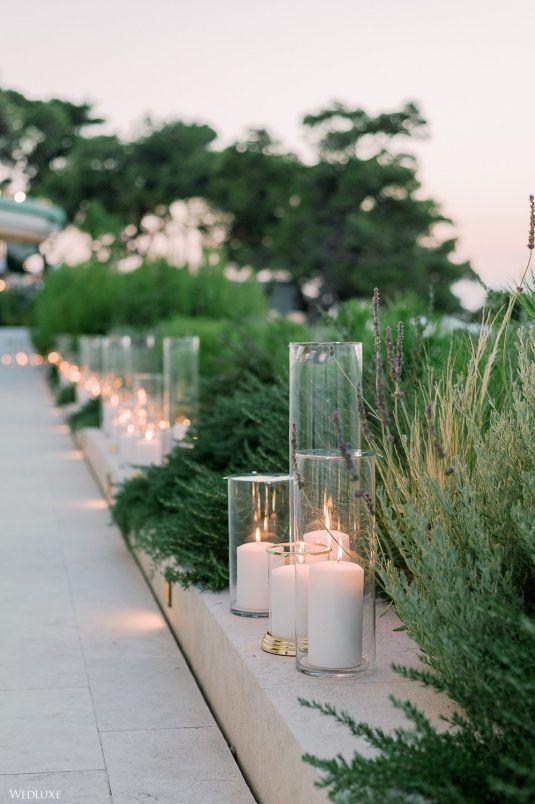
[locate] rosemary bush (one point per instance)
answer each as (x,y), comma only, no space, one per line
(66,395)
(86,416)
(170,510)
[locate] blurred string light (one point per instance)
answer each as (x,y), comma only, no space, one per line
(19,197)
(22,359)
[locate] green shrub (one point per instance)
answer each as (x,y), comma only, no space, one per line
(95,298)
(15,308)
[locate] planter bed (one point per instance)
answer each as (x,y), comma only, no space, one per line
(253,695)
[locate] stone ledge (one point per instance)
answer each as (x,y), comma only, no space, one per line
(254,695)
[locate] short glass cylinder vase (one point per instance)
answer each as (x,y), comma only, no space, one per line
(180,385)
(90,364)
(258,518)
(335,548)
(280,639)
(324,380)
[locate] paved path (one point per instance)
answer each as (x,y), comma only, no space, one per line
(96,701)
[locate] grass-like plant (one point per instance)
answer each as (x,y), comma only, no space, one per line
(457,512)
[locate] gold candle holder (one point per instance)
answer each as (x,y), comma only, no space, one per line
(276,646)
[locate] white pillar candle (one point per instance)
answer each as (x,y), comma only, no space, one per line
(335,603)
(334,538)
(180,429)
(128,440)
(252,591)
(109,410)
(114,433)
(282,601)
(330,537)
(166,439)
(302,572)
(149,449)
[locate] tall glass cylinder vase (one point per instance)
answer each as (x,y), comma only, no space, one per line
(258,517)
(332,511)
(90,364)
(335,552)
(146,354)
(324,378)
(180,385)
(68,366)
(116,378)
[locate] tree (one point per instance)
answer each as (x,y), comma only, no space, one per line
(355,221)
(350,221)
(35,135)
(127,180)
(254,181)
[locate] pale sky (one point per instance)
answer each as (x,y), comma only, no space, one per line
(241,63)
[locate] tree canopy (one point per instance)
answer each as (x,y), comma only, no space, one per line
(349,220)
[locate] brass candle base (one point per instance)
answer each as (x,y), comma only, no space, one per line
(276,646)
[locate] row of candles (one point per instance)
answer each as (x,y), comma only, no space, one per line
(312,591)
(317,589)
(300,546)
(144,413)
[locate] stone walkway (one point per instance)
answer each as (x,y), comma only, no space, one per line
(96,701)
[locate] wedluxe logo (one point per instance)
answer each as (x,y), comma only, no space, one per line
(35,795)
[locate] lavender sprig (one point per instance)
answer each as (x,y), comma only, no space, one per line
(531,232)
(399,350)
(293,444)
(345,449)
(350,465)
(433,434)
(392,359)
(380,394)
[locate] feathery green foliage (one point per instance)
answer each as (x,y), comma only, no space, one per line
(457,509)
(86,416)
(170,510)
(66,395)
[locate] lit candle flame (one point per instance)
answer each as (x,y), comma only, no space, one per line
(340,551)
(257,535)
(328,526)
(265,524)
